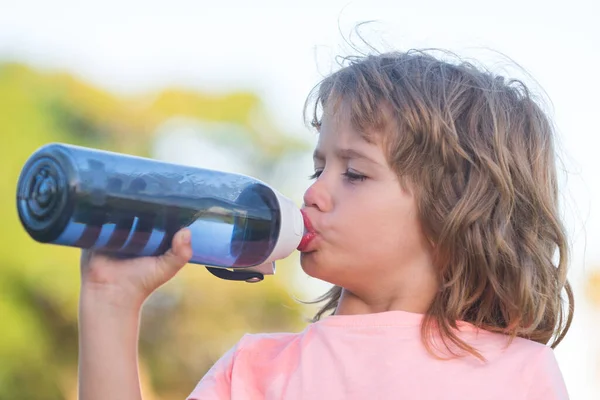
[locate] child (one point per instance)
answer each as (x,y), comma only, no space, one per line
(435,215)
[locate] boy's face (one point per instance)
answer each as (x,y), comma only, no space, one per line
(368,232)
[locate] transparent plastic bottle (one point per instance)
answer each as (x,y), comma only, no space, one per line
(132,206)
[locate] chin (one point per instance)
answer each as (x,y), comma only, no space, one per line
(316,267)
(311,265)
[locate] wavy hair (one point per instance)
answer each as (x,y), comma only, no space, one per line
(479,154)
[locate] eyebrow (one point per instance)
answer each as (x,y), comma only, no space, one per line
(344,154)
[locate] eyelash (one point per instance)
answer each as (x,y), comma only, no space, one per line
(352,177)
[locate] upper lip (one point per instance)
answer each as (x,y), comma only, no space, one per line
(307,222)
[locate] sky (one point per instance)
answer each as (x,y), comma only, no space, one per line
(280,49)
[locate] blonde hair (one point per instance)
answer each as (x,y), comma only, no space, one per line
(479,154)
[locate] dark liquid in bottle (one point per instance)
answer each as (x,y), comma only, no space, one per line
(133,206)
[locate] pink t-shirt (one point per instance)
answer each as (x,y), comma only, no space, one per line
(379,356)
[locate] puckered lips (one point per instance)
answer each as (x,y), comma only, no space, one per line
(309,234)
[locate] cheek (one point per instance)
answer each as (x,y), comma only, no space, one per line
(386,226)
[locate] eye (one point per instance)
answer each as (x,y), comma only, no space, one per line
(353,176)
(316,174)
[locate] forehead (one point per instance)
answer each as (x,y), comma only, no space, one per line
(339,117)
(336,127)
(345,114)
(339,137)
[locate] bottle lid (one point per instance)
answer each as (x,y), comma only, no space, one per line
(291,230)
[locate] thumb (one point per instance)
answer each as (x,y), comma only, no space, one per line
(179,253)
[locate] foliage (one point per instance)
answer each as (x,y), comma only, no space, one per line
(189,322)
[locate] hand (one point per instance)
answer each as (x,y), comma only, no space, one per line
(133,280)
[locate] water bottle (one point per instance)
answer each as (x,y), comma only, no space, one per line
(132,206)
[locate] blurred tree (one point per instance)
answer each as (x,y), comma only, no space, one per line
(189,322)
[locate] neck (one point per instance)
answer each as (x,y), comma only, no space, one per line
(351,304)
(415,296)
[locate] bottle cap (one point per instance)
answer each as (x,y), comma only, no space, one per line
(291,230)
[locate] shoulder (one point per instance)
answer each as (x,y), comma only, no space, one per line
(267,343)
(516,356)
(546,378)
(496,344)
(499,348)
(531,363)
(523,348)
(534,356)
(250,359)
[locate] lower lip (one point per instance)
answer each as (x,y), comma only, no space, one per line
(305,243)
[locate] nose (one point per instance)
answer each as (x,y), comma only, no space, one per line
(318,196)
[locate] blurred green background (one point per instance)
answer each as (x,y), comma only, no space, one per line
(190,322)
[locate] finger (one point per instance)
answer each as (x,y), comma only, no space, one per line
(179,253)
